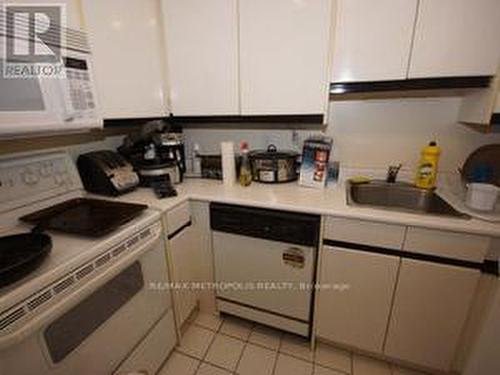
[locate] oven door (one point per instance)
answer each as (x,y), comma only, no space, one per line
(96,328)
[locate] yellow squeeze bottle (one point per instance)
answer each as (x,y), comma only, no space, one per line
(427,167)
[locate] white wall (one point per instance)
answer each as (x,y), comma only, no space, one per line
(373,133)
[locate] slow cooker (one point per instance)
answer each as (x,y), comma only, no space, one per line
(273,166)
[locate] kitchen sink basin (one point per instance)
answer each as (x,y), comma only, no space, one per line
(400,197)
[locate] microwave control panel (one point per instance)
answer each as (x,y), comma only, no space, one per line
(80,88)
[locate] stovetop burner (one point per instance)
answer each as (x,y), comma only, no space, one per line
(86,217)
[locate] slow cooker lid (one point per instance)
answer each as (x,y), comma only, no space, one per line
(273,153)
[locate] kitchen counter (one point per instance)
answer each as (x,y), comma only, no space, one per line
(292,197)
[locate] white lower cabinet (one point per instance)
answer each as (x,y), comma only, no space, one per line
(430,308)
(357,315)
(182,256)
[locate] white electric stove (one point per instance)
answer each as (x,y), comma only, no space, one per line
(94,305)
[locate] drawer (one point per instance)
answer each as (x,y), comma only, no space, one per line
(468,247)
(148,356)
(364,232)
(177,217)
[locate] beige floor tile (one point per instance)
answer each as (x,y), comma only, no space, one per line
(235,327)
(210,321)
(196,341)
(396,370)
(367,366)
(287,365)
(225,352)
(265,336)
(320,370)
(256,360)
(329,356)
(208,369)
(296,346)
(179,364)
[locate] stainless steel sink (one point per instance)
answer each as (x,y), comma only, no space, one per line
(400,197)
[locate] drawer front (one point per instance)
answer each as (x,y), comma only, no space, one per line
(365,232)
(148,356)
(177,217)
(453,245)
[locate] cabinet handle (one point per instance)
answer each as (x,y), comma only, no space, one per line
(178,231)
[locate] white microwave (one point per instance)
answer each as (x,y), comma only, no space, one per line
(38,105)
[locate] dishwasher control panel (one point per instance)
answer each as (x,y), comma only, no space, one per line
(276,225)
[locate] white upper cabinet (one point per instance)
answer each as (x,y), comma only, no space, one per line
(125,37)
(284,47)
(202,56)
(456,38)
(373,39)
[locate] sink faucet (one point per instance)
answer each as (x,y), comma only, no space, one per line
(392,173)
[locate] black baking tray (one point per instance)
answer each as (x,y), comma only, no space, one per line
(86,217)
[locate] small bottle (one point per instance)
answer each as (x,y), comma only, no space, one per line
(196,160)
(427,167)
(245,169)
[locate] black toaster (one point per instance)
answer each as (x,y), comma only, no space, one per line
(106,172)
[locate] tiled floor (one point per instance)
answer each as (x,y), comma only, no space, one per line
(223,346)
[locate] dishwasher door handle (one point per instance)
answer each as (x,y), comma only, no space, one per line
(294,256)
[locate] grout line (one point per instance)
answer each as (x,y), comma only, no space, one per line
(217,332)
(244,347)
(278,351)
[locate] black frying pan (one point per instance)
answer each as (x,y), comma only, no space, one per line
(22,253)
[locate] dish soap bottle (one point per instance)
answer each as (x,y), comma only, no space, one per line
(427,167)
(245,170)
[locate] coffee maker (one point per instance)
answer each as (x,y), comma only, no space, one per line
(157,154)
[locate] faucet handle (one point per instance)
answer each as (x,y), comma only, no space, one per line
(392,173)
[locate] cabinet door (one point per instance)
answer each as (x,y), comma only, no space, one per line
(183,256)
(202,56)
(284,48)
(373,39)
(358,315)
(126,47)
(430,308)
(455,38)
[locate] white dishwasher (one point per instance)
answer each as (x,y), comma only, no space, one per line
(265,263)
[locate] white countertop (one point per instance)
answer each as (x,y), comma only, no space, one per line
(292,197)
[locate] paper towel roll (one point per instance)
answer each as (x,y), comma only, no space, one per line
(228,163)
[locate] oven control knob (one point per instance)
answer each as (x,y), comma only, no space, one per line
(29,177)
(46,170)
(58,179)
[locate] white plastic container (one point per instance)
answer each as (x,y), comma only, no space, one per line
(228,163)
(481,197)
